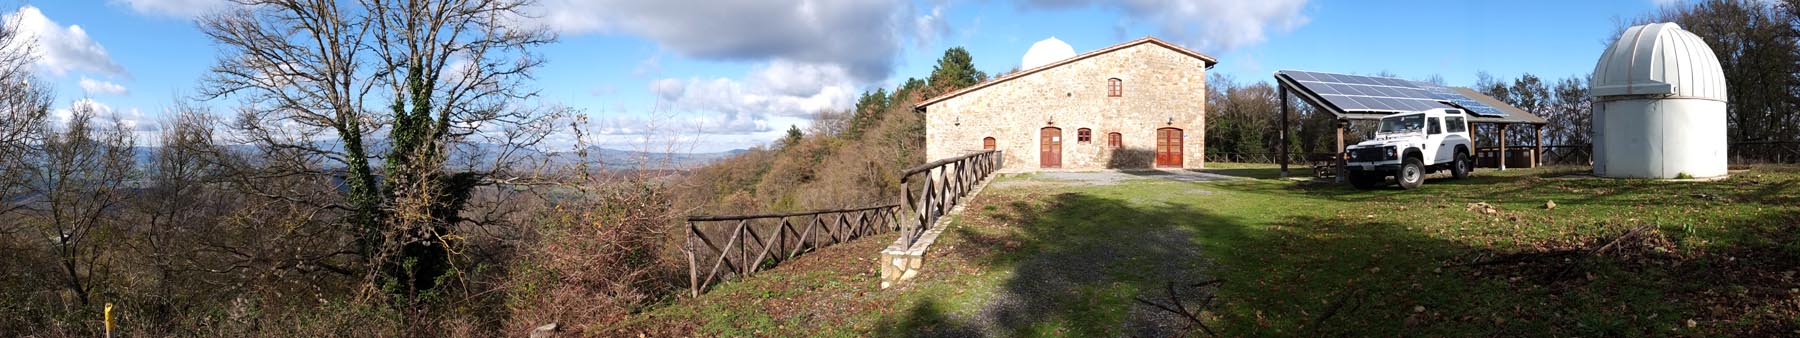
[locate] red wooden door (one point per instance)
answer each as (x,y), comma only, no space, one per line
(1168,148)
(1050,148)
(987,143)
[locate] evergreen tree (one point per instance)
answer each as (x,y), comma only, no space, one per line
(954,71)
(793,137)
(868,110)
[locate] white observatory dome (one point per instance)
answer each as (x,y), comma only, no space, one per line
(1659,106)
(1046,52)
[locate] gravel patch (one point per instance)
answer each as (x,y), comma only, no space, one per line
(1089,178)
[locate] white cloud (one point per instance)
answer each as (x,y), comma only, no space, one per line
(740,107)
(97,87)
(779,88)
(863,37)
(133,119)
(649,67)
(668,89)
(927,28)
(458,67)
(735,123)
(62,49)
(185,9)
(1212,26)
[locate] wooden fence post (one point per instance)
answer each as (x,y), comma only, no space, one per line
(693,264)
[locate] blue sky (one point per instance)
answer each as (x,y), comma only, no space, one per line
(713,75)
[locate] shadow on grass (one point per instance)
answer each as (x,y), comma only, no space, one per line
(1079,261)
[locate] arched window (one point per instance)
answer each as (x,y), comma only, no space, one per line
(1084,136)
(1115,87)
(987,143)
(1113,139)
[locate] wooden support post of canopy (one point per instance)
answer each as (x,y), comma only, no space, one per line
(1537,154)
(1284,132)
(1338,154)
(1475,144)
(1503,147)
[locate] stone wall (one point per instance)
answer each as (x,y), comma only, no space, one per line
(1162,88)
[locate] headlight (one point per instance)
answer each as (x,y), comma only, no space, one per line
(1390,152)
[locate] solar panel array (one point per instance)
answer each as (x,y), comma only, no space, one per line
(1358,93)
(1474,107)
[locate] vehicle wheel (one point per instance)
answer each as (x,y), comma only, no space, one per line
(1412,173)
(1462,166)
(1365,180)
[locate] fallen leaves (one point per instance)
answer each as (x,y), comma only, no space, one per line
(1483,208)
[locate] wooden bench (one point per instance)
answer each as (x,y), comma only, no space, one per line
(1323,165)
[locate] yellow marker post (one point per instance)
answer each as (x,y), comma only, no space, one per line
(108,320)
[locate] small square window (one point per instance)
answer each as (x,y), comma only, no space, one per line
(1114,140)
(1084,135)
(1115,87)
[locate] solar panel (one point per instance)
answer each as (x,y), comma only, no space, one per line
(1358,93)
(1474,107)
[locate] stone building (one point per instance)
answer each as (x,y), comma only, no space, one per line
(1138,104)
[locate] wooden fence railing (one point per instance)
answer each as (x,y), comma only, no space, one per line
(1751,152)
(1295,157)
(755,242)
(944,184)
(1567,154)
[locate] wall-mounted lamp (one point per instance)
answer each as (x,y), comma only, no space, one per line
(1171,120)
(1050,120)
(958,120)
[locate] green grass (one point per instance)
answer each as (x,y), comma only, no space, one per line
(1072,260)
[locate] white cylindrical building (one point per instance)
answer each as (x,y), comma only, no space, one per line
(1659,106)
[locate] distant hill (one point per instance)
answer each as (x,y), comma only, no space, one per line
(609,158)
(616,158)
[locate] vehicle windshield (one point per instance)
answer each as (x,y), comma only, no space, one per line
(1403,124)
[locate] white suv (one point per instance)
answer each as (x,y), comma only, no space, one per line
(1410,145)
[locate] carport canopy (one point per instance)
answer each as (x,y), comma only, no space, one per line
(1360,97)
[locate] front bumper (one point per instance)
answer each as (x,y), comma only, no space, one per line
(1381,159)
(1378,166)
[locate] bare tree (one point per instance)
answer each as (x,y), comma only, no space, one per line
(23,108)
(1571,113)
(826,122)
(323,79)
(79,180)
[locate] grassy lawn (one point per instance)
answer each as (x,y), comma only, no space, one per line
(1040,257)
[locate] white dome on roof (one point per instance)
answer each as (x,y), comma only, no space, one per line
(1659,59)
(1046,52)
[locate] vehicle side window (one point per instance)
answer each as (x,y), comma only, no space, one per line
(1432,127)
(1455,125)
